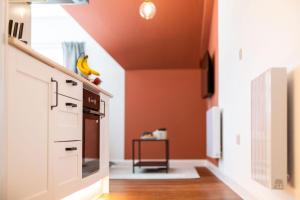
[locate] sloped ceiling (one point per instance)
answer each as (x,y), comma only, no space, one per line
(176,38)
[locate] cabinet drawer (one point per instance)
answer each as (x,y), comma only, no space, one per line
(68,86)
(67,119)
(67,167)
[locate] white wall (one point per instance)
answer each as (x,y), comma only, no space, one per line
(51,25)
(3,34)
(2,97)
(268,31)
(20,12)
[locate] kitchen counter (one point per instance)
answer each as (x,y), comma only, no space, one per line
(28,50)
(51,126)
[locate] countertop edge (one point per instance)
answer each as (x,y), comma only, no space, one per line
(29,51)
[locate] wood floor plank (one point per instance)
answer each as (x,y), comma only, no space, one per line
(208,187)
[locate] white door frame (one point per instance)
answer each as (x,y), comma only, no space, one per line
(3,42)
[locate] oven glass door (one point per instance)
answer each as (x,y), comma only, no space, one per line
(91,144)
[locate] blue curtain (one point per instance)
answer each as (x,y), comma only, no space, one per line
(71,52)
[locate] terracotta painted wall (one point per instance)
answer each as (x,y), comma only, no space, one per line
(213,48)
(170,99)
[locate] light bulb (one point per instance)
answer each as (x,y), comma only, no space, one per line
(147,10)
(21,12)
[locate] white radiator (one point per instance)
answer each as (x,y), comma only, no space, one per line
(269,128)
(213,132)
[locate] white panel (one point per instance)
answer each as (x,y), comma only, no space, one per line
(269,128)
(67,168)
(67,120)
(73,90)
(104,134)
(213,132)
(2,103)
(29,103)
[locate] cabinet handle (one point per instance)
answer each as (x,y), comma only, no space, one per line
(74,83)
(71,148)
(56,93)
(71,104)
(103,114)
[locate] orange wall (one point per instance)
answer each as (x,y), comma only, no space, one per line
(213,48)
(166,98)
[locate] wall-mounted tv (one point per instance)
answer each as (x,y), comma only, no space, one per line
(207,76)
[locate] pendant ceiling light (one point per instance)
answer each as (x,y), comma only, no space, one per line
(147,10)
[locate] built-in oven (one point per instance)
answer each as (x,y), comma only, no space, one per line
(91,133)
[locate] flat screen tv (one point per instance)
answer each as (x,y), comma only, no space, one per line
(207,76)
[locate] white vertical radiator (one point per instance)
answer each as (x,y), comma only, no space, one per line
(213,132)
(269,128)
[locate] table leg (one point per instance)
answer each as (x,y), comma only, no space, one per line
(133,152)
(167,155)
(139,153)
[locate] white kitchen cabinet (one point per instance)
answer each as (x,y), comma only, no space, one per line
(29,117)
(104,135)
(67,167)
(44,129)
(67,124)
(36,119)
(66,130)
(69,86)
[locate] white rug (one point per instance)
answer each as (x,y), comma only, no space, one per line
(125,172)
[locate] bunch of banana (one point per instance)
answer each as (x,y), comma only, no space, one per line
(83,67)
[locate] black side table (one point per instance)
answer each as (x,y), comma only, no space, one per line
(141,163)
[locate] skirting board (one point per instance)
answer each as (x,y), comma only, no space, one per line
(173,163)
(211,167)
(229,182)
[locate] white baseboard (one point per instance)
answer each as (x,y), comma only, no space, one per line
(184,163)
(173,163)
(229,182)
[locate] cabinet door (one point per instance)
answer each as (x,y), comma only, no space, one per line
(104,135)
(67,123)
(29,102)
(67,167)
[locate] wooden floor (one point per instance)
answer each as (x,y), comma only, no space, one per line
(208,187)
